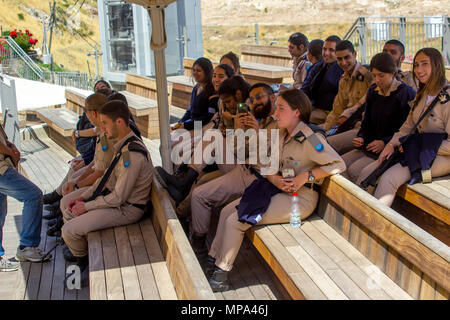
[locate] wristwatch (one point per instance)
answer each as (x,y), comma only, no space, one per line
(311,177)
(77,134)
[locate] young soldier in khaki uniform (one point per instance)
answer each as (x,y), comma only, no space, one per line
(220,191)
(430,71)
(342,142)
(293,110)
(353,84)
(297,47)
(387,106)
(122,199)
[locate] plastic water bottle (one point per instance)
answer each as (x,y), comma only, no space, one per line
(296,220)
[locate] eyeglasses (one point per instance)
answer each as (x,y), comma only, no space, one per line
(258,96)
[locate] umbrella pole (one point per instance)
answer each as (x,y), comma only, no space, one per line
(158,45)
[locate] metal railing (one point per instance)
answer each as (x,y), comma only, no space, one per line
(16,62)
(368,35)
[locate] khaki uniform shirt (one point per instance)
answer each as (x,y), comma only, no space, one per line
(302,157)
(102,158)
(127,185)
(438,121)
(5,163)
(268,124)
(300,65)
(352,87)
(407,77)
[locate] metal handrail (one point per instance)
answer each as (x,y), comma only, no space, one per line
(368,35)
(24,57)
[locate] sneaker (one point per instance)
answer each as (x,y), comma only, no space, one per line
(32,254)
(7,265)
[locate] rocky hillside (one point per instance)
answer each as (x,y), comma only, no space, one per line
(299,12)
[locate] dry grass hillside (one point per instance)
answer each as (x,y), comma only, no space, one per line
(68,47)
(228,23)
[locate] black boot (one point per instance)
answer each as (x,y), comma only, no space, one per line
(55,231)
(181,169)
(178,187)
(199,247)
(53,214)
(68,256)
(219,280)
(209,266)
(52,207)
(51,197)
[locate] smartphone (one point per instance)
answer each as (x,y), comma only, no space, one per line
(243,108)
(288,173)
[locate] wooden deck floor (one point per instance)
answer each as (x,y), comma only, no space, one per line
(46,165)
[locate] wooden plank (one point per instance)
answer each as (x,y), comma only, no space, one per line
(296,281)
(186,273)
(97,278)
(347,265)
(441,294)
(391,263)
(161,273)
(248,275)
(344,282)
(45,287)
(311,267)
(377,251)
(420,248)
(432,202)
(113,276)
(130,282)
(263,273)
(22,280)
(427,288)
(146,278)
(414,282)
(238,283)
(388,285)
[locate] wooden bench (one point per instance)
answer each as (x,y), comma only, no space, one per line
(355,248)
(145,86)
(253,72)
(144,110)
(75,99)
(60,124)
(427,205)
(151,259)
(182,87)
(272,55)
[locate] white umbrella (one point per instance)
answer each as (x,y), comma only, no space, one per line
(158,44)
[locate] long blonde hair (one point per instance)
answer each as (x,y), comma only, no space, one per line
(437,79)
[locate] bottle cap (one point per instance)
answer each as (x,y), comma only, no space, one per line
(294,194)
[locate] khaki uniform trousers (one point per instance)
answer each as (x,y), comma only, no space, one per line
(217,193)
(230,232)
(397,175)
(358,164)
(342,142)
(318,116)
(76,229)
(71,175)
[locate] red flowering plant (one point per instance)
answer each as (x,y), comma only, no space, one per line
(24,40)
(3,50)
